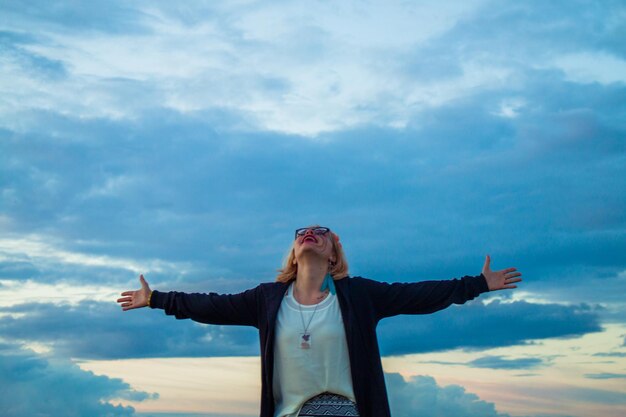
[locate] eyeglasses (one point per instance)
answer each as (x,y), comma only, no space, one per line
(319,231)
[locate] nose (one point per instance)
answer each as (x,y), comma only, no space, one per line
(308,232)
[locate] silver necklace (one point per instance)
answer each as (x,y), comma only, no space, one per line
(305,337)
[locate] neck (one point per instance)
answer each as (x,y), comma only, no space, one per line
(309,278)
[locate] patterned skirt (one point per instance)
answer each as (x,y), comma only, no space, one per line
(328,404)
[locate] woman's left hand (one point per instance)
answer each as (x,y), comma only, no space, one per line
(500,280)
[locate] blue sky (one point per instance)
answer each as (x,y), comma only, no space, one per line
(187,142)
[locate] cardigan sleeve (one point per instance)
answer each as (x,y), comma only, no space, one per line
(391,299)
(212,308)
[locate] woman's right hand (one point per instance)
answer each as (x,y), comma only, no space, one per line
(136,299)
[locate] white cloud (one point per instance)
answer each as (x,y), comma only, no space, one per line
(592,66)
(510,108)
(43,251)
(289,69)
(30,291)
(112,186)
(39,249)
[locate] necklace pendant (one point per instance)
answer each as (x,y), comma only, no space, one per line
(305,340)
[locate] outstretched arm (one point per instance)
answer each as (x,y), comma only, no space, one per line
(426,297)
(236,309)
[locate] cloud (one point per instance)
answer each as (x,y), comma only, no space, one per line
(37,66)
(43,252)
(478,325)
(34,257)
(592,67)
(326,69)
(498,362)
(84,331)
(74,15)
(81,330)
(605,375)
(611,354)
(235,62)
(420,395)
(33,384)
(188,143)
(195,148)
(435,172)
(544,30)
(374,168)
(411,205)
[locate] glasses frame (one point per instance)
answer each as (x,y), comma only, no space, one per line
(318,231)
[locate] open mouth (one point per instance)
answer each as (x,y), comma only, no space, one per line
(309,239)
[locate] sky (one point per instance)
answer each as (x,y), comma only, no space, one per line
(187,141)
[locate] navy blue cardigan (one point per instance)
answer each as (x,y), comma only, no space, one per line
(363,303)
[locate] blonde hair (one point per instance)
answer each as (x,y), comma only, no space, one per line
(337,270)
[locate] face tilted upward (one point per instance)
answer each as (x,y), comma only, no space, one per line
(316,240)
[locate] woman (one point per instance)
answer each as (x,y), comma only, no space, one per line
(317,325)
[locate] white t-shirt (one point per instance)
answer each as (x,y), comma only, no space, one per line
(300,374)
